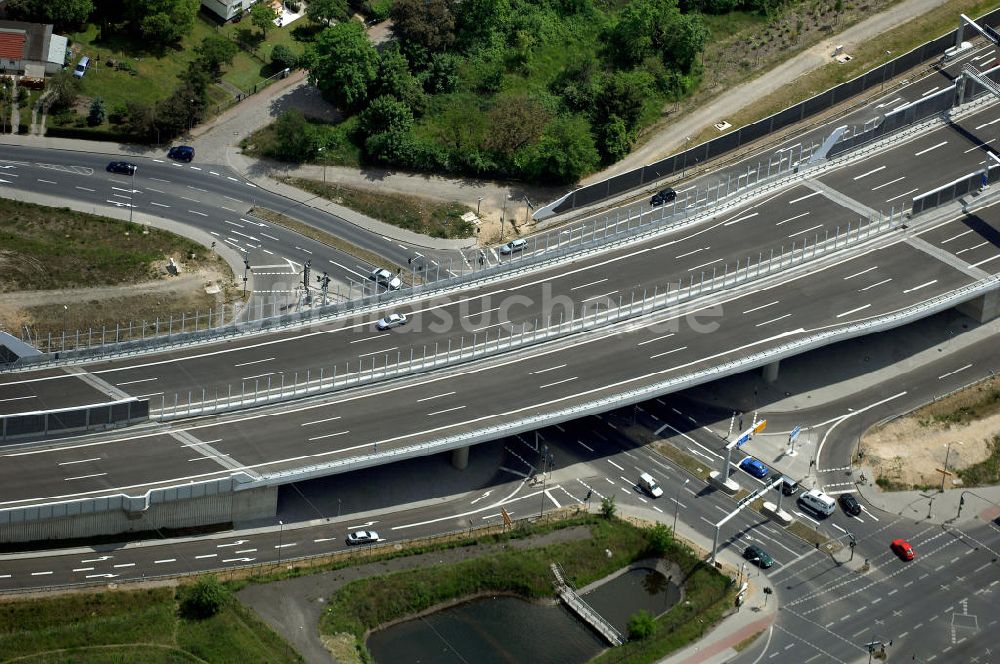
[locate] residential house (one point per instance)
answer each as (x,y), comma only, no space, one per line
(227,9)
(30,49)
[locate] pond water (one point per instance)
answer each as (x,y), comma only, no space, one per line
(502,630)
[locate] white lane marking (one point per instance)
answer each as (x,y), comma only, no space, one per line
(325,419)
(952,373)
(165,560)
(446,410)
(692,252)
(934,89)
(133,382)
(858,274)
(207,555)
(246,364)
(372,338)
(975,246)
(739,219)
(46,181)
(616,465)
(906,193)
(83,477)
(86,189)
(853,311)
(871,172)
(987,260)
(888,183)
(668,352)
(592,283)
(376,352)
(598,297)
(649,341)
(802,198)
(558,382)
(69,463)
(798,216)
(805,231)
(879,283)
(438,396)
(955,237)
(328,435)
(40,573)
(591,449)
(763,306)
(83,569)
(124,565)
(541,371)
(773,320)
(30,396)
(487,311)
(987,124)
(923,285)
(201,214)
(983,144)
(698,267)
(933,147)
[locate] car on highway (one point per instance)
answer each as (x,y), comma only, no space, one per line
(788,486)
(513,246)
(667,195)
(362,537)
(181,153)
(902,549)
(754,467)
(849,504)
(383,277)
(758,556)
(649,485)
(391,321)
(123,167)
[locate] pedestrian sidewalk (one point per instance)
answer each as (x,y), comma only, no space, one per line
(755,616)
(951,507)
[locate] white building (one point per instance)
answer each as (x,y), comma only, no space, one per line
(30,49)
(227,9)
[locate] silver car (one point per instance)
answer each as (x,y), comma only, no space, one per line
(383,277)
(391,321)
(514,245)
(362,537)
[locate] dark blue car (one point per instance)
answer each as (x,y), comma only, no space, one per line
(754,467)
(181,153)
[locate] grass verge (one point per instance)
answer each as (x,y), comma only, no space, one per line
(44,248)
(414,213)
(326,238)
(133,626)
(985,472)
(365,604)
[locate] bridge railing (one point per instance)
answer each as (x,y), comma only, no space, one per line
(372,368)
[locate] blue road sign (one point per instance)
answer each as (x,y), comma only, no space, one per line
(795,433)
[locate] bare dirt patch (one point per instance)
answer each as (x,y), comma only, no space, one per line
(908,452)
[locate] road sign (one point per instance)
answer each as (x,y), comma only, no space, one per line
(794,434)
(506,518)
(742,440)
(760,426)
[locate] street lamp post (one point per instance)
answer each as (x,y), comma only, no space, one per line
(944,474)
(677,495)
(478,203)
(246,269)
(281,532)
(131,205)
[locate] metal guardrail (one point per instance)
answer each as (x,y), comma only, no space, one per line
(95,417)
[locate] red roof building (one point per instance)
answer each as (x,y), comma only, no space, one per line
(11,45)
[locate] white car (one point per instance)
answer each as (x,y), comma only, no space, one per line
(514,245)
(383,277)
(362,537)
(391,321)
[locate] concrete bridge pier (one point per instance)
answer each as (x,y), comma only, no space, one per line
(460,457)
(984,308)
(770,371)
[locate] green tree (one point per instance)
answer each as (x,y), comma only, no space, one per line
(283,57)
(63,90)
(633,36)
(392,147)
(565,153)
(441,75)
(684,40)
(344,65)
(426,23)
(623,95)
(161,21)
(262,16)
(62,13)
(325,12)
(517,120)
(204,599)
(213,53)
(660,539)
(615,139)
(295,139)
(641,625)
(386,114)
(477,20)
(608,507)
(97,112)
(394,79)
(139,120)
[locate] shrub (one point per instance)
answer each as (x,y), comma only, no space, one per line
(641,625)
(204,599)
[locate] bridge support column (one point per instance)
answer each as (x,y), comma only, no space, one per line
(460,457)
(984,308)
(770,371)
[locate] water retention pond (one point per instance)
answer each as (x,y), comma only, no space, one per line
(505,629)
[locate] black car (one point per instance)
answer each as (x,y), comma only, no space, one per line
(123,167)
(850,504)
(758,556)
(181,153)
(668,195)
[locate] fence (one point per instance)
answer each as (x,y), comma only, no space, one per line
(646,175)
(97,417)
(367,371)
(960,187)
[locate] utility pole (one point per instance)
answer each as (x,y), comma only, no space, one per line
(246,269)
(305,279)
(324,284)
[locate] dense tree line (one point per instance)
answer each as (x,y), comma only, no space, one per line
(156,22)
(445,95)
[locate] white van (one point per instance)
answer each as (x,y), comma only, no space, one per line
(817,502)
(649,485)
(81,67)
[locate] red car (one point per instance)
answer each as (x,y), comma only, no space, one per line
(902,549)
